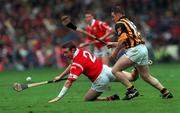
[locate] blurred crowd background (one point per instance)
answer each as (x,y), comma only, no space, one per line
(31,32)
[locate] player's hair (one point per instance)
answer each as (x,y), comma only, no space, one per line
(70,45)
(88,12)
(118,9)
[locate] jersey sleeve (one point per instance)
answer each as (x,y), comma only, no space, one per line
(104,26)
(75,71)
(120,29)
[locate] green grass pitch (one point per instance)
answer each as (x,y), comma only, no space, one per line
(34,100)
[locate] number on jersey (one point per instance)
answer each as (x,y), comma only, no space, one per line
(86,54)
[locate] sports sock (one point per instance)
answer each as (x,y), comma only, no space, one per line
(164,91)
(130,88)
(109,98)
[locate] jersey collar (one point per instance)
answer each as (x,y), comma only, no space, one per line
(76,52)
(93,21)
(122,17)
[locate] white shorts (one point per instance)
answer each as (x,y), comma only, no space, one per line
(138,54)
(103,51)
(101,83)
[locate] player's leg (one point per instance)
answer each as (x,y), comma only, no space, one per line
(110,98)
(143,70)
(146,76)
(131,76)
(122,63)
(93,95)
(100,85)
(134,75)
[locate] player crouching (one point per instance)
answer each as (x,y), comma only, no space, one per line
(85,63)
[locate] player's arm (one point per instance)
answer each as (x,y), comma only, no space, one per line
(118,48)
(75,71)
(112,44)
(108,30)
(64,73)
(88,43)
(63,91)
(108,35)
(84,44)
(87,40)
(120,29)
(65,88)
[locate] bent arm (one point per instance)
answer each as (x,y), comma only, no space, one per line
(112,44)
(108,35)
(64,73)
(108,30)
(119,47)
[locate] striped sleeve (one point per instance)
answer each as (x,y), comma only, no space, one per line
(120,28)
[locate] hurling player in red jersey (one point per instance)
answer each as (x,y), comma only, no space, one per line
(101,30)
(83,62)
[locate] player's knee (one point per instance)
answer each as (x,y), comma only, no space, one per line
(114,71)
(134,77)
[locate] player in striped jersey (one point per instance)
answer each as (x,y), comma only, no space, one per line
(136,53)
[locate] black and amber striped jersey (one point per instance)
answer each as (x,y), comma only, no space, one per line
(127,33)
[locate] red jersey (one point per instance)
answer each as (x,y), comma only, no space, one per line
(86,63)
(98,28)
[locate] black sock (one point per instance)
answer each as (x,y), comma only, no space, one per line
(164,91)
